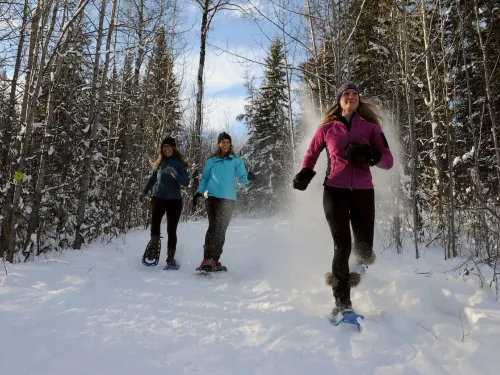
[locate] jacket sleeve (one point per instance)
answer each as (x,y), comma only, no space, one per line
(205,175)
(317,145)
(183,176)
(151,182)
(241,172)
(379,144)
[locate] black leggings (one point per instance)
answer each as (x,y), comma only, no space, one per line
(357,208)
(173,208)
(219,213)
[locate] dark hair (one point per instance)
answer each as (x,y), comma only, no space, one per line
(177,154)
(217,151)
(365,110)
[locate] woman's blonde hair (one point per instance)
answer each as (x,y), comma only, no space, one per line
(365,110)
(161,155)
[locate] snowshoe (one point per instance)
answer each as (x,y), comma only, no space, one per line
(358,268)
(172,265)
(220,267)
(345,315)
(207,265)
(151,255)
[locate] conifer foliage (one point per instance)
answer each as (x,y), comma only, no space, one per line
(267,152)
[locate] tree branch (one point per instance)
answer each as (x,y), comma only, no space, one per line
(264,64)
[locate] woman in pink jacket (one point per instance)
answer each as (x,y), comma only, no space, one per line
(351,134)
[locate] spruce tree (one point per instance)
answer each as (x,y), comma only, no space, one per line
(267,151)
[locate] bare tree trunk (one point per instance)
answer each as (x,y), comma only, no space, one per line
(209,8)
(199,98)
(10,212)
(476,142)
(31,108)
(5,159)
(315,56)
(431,103)
(396,220)
(487,89)
(411,123)
(451,238)
(40,184)
(96,117)
(289,93)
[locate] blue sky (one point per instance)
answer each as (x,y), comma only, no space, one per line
(225,74)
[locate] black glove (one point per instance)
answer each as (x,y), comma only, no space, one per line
(195,198)
(303,178)
(357,153)
(142,196)
(251,176)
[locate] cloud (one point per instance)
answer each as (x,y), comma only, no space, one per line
(223,71)
(247,8)
(225,94)
(221,112)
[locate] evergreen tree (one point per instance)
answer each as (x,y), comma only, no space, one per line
(267,151)
(164,92)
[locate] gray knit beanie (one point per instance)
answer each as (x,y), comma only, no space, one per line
(346,86)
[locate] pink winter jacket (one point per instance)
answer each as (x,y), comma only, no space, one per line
(335,136)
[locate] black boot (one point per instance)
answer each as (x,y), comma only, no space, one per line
(171,257)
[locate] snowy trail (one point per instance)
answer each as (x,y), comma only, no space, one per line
(101,312)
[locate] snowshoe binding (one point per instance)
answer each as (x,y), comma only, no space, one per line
(151,255)
(172,265)
(344,315)
(171,262)
(207,265)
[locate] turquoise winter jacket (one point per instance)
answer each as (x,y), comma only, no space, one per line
(219,177)
(167,187)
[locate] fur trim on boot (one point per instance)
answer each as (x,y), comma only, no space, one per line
(354,279)
(330,279)
(370,260)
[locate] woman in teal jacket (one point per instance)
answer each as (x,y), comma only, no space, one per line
(169,173)
(218,186)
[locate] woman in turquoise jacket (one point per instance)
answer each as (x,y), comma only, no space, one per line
(169,173)
(218,186)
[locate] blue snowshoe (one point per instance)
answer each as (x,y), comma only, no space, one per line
(358,268)
(344,315)
(172,265)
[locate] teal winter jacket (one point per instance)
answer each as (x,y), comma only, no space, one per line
(167,187)
(219,177)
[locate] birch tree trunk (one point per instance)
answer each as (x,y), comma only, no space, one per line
(31,107)
(96,117)
(10,211)
(315,57)
(208,8)
(411,124)
(396,220)
(431,104)
(451,238)
(58,63)
(487,89)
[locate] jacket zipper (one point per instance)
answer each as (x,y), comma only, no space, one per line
(352,169)
(348,127)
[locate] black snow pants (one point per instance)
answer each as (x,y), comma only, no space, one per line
(219,213)
(173,208)
(357,208)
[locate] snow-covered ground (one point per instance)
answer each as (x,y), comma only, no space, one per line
(99,311)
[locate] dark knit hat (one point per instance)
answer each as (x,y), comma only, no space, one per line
(169,141)
(223,136)
(346,86)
